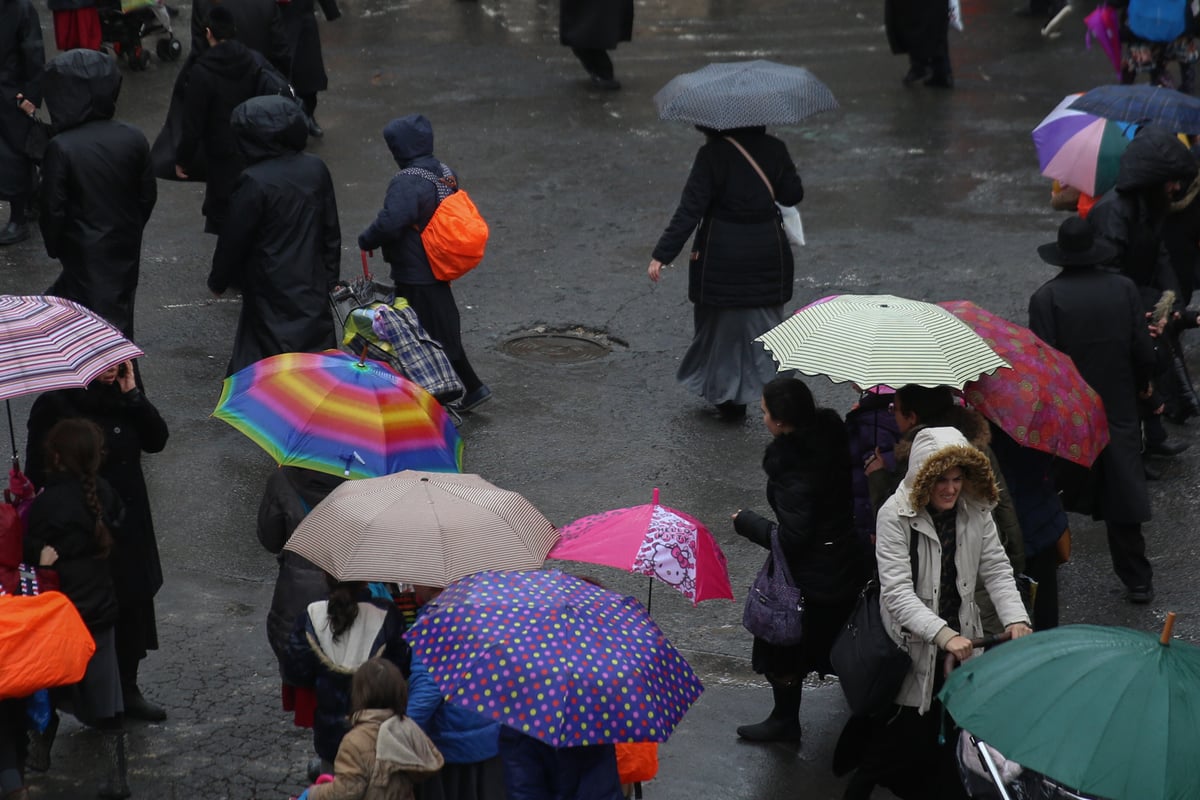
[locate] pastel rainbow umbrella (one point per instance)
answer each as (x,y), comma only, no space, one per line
(341,415)
(1080,149)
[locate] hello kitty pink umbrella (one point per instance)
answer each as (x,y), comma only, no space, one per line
(650,540)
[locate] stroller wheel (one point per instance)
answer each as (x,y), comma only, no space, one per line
(169,49)
(138,58)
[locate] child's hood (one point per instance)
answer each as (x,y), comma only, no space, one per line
(402,746)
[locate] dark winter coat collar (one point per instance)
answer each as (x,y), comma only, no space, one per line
(819,442)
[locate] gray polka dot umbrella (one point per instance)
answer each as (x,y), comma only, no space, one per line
(743,94)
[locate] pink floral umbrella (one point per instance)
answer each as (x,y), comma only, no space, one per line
(650,540)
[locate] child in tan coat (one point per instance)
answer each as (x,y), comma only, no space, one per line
(385,752)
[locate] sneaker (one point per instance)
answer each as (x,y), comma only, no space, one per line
(1140,594)
(473,400)
(14,232)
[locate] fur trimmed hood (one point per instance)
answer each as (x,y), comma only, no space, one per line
(934,451)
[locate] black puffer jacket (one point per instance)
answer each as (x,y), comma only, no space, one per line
(98,187)
(808,487)
(282,242)
(60,518)
(1130,220)
(741,256)
(409,203)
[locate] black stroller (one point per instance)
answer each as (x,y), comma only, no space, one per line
(123,30)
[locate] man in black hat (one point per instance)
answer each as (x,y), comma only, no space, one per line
(1095,316)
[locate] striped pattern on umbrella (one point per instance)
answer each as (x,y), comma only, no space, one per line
(881,340)
(50,343)
(424,528)
(744,93)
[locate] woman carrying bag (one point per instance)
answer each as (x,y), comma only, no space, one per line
(808,487)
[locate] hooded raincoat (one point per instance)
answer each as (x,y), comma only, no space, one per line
(1131,216)
(222,77)
(282,241)
(98,187)
(909,603)
(380,759)
(409,203)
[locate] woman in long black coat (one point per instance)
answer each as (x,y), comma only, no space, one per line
(920,29)
(131,426)
(304,43)
(740,269)
(593,27)
(281,242)
(809,489)
(21,58)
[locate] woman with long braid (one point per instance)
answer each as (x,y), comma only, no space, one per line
(71,530)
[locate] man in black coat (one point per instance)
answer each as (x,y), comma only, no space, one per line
(1095,317)
(920,29)
(282,242)
(21,58)
(1131,219)
(593,27)
(224,76)
(259,26)
(98,188)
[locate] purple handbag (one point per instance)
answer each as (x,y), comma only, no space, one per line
(775,606)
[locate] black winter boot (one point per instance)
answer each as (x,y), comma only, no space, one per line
(115,786)
(138,707)
(783,725)
(38,756)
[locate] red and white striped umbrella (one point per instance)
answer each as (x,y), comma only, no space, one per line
(51,343)
(424,528)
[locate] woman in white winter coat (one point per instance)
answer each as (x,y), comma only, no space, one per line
(935,540)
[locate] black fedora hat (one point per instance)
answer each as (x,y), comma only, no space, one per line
(1077,246)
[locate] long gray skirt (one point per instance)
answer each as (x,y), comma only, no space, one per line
(724,364)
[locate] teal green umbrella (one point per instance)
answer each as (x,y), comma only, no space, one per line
(1107,711)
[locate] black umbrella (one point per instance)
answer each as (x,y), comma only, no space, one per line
(1168,108)
(744,94)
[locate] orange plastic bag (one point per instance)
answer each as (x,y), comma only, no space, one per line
(637,762)
(455,237)
(43,643)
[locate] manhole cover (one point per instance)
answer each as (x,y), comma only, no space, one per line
(555,348)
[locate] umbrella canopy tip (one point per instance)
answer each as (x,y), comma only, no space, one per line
(654,496)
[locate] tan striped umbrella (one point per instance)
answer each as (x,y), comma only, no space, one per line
(881,340)
(425,528)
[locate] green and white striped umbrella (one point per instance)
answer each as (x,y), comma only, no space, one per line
(881,340)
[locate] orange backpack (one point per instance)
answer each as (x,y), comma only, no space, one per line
(456,234)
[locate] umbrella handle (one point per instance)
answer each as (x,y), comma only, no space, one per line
(985,642)
(366,270)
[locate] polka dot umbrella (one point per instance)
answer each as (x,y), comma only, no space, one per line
(555,657)
(1042,402)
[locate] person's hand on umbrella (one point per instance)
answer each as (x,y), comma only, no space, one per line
(1018,629)
(960,647)
(655,269)
(125,378)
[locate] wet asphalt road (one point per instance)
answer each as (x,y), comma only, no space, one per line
(925,193)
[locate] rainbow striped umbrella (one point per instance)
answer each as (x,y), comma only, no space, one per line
(1080,149)
(341,415)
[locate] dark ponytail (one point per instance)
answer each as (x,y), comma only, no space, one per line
(343,604)
(76,447)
